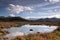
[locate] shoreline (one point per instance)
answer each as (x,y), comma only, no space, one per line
(18,24)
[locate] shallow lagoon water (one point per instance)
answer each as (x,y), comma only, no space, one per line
(27,29)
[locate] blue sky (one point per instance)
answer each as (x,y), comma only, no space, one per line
(30,8)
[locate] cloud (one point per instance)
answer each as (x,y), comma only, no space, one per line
(38,17)
(56,16)
(54,0)
(52,16)
(52,7)
(42,4)
(17,8)
(12,15)
(46,3)
(45,7)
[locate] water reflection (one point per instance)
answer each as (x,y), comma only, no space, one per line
(27,29)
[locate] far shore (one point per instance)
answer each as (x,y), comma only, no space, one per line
(20,23)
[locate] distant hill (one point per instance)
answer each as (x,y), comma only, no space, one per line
(11,19)
(2,18)
(49,19)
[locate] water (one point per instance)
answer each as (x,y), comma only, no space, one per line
(27,29)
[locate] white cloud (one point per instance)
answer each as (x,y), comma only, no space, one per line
(45,0)
(38,17)
(28,8)
(42,4)
(12,15)
(52,7)
(56,16)
(52,16)
(54,0)
(17,8)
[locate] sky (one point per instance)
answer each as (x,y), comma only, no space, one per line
(30,8)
